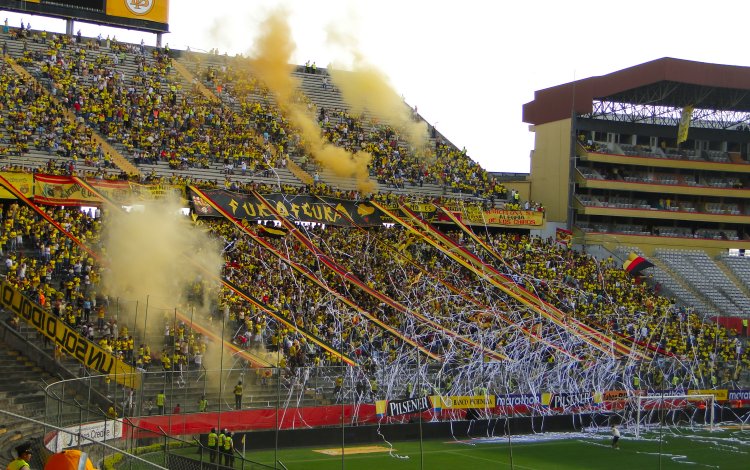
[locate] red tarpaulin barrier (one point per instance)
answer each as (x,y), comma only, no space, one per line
(732,323)
(289,418)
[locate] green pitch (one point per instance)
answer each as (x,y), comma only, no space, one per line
(725,449)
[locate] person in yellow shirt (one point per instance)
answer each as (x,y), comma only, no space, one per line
(238,396)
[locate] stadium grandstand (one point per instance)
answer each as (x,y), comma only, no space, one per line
(190,252)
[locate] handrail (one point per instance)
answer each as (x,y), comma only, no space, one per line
(83,437)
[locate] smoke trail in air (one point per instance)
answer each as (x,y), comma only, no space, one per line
(365,88)
(155,255)
(271,63)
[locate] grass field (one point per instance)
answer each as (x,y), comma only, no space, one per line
(725,449)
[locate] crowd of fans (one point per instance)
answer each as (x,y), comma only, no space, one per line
(55,272)
(606,296)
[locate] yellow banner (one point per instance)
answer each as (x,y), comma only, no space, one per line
(61,190)
(505,218)
(685,118)
(123,192)
(87,353)
(149,10)
(423,208)
(462,402)
(23,182)
(719,395)
(64,190)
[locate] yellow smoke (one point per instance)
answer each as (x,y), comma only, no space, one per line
(365,88)
(271,63)
(154,256)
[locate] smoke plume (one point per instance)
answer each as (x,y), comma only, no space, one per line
(155,256)
(271,63)
(365,88)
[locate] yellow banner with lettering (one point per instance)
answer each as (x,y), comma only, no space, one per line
(124,192)
(23,182)
(462,402)
(89,354)
(503,218)
(64,190)
(720,395)
(149,10)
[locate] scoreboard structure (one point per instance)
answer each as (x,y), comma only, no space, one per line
(141,15)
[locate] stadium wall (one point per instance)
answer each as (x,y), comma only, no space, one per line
(449,430)
(647,243)
(550,168)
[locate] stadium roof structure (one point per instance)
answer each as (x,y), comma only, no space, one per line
(665,83)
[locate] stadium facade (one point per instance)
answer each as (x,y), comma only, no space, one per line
(654,155)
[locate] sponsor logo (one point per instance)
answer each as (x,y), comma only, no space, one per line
(526,399)
(463,402)
(739,394)
(620,395)
(139,7)
(720,395)
(87,433)
(567,400)
(414,405)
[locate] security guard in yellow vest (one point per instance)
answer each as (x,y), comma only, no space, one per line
(161,399)
(238,396)
(220,444)
(228,450)
(202,404)
(213,442)
(24,456)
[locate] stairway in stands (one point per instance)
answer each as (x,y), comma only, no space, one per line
(21,392)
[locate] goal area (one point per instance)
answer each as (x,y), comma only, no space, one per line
(692,411)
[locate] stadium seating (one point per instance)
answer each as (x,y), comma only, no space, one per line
(700,272)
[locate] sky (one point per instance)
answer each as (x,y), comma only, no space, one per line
(470,65)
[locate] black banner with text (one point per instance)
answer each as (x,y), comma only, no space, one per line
(297,208)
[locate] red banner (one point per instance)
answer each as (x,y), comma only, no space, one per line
(266,418)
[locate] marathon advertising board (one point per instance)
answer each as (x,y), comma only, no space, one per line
(518,403)
(567,400)
(297,208)
(73,344)
(412,405)
(619,395)
(738,395)
(661,393)
(87,433)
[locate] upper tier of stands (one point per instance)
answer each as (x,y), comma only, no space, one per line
(434,170)
(228,133)
(715,156)
(135,99)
